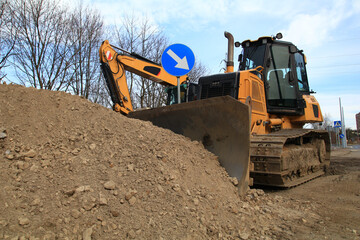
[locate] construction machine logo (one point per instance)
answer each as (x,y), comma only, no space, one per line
(108,55)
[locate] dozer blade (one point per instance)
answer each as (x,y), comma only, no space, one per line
(222,124)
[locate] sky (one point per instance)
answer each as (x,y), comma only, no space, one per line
(327,30)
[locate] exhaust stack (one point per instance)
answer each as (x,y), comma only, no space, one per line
(230,55)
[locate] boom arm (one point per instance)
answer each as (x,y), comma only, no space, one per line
(114,66)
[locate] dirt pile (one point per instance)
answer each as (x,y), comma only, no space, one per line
(71,169)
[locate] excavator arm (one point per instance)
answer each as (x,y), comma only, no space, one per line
(114,65)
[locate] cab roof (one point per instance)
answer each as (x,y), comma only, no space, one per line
(264,40)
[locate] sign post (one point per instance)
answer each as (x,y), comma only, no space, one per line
(343,128)
(178,89)
(178,60)
(337,126)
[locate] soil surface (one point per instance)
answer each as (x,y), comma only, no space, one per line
(71,169)
(336,197)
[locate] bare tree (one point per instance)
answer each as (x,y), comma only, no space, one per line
(43,50)
(145,39)
(149,41)
(198,71)
(87,34)
(127,36)
(153,43)
(323,125)
(7,39)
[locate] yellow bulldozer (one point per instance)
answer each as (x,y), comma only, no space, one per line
(252,118)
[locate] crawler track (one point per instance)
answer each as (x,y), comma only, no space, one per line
(289,157)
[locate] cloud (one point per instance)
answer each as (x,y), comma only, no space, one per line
(313,29)
(185,12)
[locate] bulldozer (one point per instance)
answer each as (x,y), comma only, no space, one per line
(252,118)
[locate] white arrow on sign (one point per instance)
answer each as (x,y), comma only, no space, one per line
(181,62)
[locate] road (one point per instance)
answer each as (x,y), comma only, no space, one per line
(336,197)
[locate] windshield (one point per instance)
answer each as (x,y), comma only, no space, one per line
(253,57)
(281,92)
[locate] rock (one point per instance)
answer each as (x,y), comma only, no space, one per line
(34,168)
(114,213)
(92,146)
(3,135)
(160,188)
(196,201)
(102,200)
(172,177)
(36,201)
(30,154)
(75,213)
(176,187)
(130,194)
(89,204)
(131,234)
(234,181)
(244,235)
(86,188)
(68,193)
(87,234)
(3,222)
(20,165)
(110,185)
(9,155)
(130,167)
(132,200)
(45,163)
(76,151)
(23,221)
(49,236)
(260,192)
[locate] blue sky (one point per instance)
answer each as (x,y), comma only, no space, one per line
(328,32)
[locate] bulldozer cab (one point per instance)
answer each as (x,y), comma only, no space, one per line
(284,73)
(188,93)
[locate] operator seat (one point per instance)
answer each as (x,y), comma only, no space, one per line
(273,92)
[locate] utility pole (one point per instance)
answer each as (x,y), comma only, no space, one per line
(343,128)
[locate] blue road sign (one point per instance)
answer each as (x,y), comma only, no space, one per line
(337,124)
(178,59)
(341,136)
